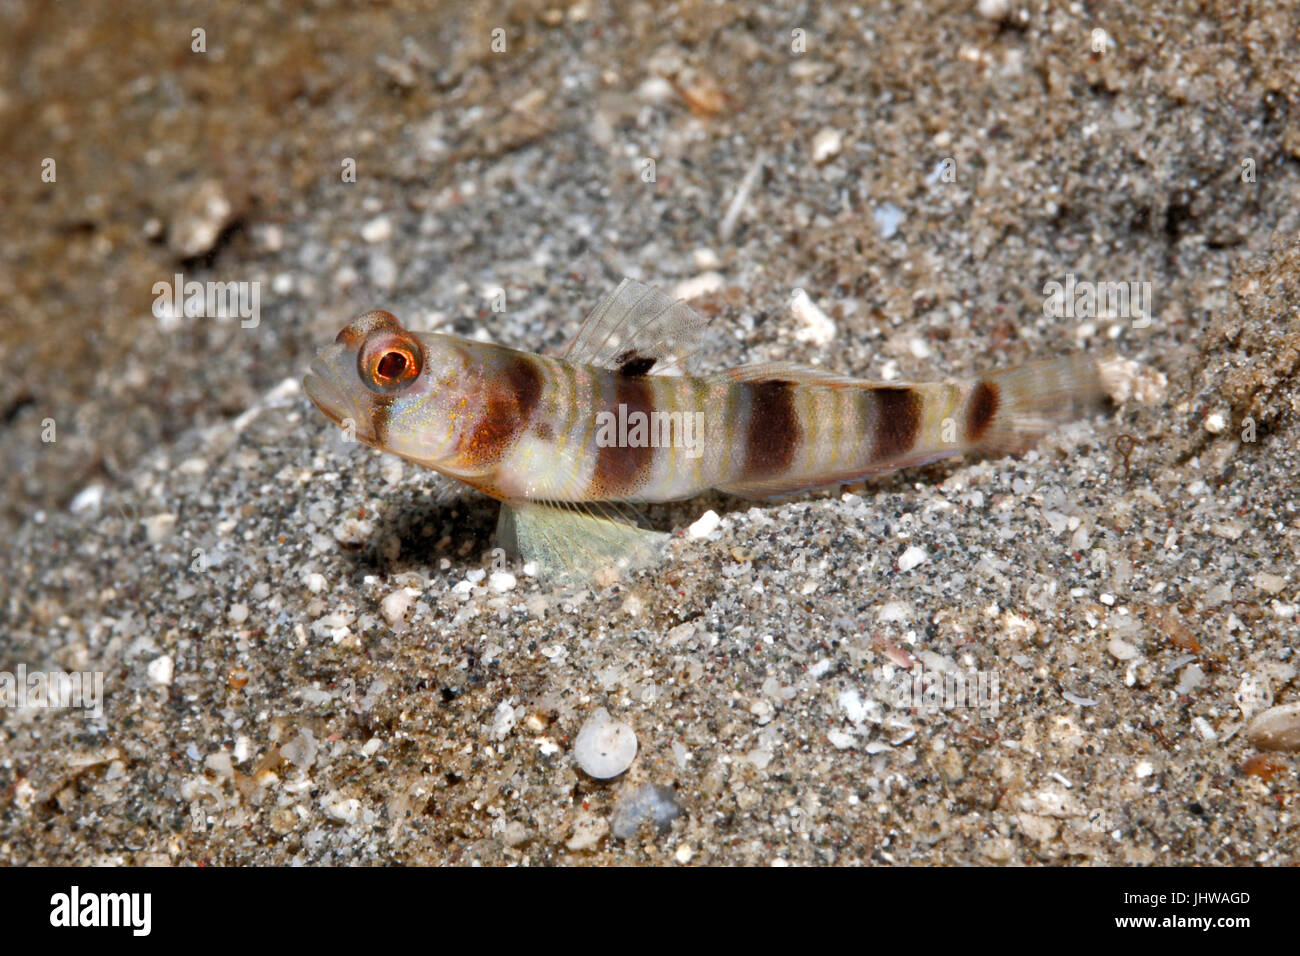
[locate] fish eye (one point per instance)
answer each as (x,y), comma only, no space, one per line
(389,362)
(391,365)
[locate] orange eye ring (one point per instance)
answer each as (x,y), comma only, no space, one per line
(390,361)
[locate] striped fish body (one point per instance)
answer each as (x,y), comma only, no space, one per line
(579,433)
(599,425)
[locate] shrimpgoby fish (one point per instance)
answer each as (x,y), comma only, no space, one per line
(564,442)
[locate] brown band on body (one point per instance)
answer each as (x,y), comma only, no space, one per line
(381,407)
(620,470)
(774,430)
(897,420)
(981,410)
(630,363)
(509,406)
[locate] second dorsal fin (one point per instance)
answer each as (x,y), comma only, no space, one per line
(637,330)
(796,374)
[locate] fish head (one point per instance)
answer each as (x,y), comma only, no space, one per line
(395,390)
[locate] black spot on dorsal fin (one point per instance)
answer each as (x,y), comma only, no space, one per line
(631,363)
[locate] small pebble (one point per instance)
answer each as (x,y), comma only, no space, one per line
(1121,650)
(910,558)
(888,218)
(87,500)
(1277,728)
(826,145)
(394,605)
(587,831)
(1269,583)
(504,720)
(161,670)
(648,802)
(158,528)
(379,229)
(698,286)
(604,747)
(203,215)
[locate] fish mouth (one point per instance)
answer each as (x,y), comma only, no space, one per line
(332,396)
(324,390)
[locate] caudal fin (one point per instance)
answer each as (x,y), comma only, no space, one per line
(1007,412)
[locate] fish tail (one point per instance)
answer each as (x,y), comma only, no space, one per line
(1007,412)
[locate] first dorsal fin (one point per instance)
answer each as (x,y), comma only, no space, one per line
(637,330)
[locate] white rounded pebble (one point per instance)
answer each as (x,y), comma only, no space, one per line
(1277,728)
(379,229)
(1215,423)
(684,853)
(995,9)
(87,499)
(702,284)
(826,145)
(238,613)
(394,605)
(501,581)
(604,747)
(161,670)
(1121,650)
(910,558)
(158,527)
(705,258)
(707,524)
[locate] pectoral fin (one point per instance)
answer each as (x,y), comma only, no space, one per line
(576,542)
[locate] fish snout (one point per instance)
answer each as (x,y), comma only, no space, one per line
(325,385)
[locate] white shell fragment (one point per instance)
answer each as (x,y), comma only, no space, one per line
(705,526)
(605,747)
(1277,728)
(818,327)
